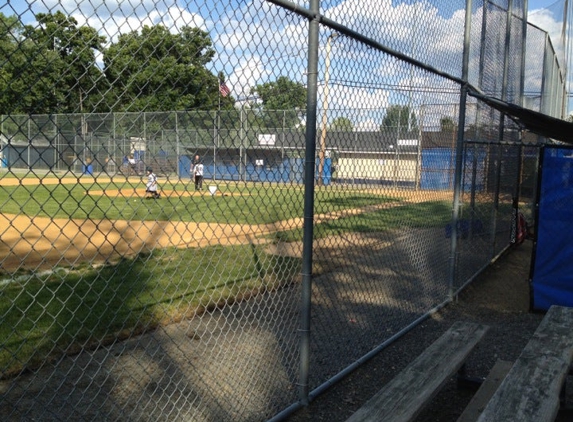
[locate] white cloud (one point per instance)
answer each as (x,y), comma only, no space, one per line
(257,41)
(112,18)
(545,20)
(102,8)
(352,98)
(245,76)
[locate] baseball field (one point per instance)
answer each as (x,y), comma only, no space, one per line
(73,248)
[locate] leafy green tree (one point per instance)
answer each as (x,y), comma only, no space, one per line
(28,71)
(342,124)
(158,71)
(282,101)
(400,118)
(447,124)
(10,35)
(62,69)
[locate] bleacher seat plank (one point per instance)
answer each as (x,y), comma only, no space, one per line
(530,391)
(403,398)
(480,399)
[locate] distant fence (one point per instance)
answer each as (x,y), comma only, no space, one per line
(386,157)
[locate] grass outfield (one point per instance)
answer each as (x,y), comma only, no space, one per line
(67,309)
(234,202)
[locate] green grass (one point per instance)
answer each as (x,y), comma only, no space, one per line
(44,317)
(244,204)
(424,214)
(27,174)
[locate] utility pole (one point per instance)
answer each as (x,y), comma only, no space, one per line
(322,150)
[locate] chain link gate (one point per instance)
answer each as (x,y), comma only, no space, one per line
(324,227)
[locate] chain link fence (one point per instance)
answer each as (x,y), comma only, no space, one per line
(345,188)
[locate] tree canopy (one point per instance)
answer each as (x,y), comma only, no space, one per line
(10,87)
(156,70)
(447,124)
(58,66)
(343,124)
(401,118)
(49,67)
(281,102)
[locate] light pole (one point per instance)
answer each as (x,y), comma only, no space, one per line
(322,151)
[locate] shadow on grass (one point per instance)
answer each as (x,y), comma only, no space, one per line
(431,213)
(46,317)
(66,312)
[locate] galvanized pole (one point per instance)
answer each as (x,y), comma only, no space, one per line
(310,162)
(523,51)
(501,129)
(242,137)
(566,42)
(477,126)
(322,150)
(460,150)
(177,146)
(543,103)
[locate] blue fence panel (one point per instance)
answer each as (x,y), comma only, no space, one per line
(552,280)
(437,169)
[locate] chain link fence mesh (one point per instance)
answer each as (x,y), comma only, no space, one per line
(119,306)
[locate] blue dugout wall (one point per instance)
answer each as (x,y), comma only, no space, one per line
(289,170)
(438,168)
(552,269)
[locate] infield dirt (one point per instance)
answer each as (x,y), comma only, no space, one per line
(34,242)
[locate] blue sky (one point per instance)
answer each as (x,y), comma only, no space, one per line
(536,4)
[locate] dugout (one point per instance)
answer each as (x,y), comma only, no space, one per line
(551,275)
(375,157)
(36,153)
(253,164)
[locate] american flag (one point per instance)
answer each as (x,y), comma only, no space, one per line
(224,89)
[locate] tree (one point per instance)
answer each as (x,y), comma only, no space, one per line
(158,71)
(447,124)
(342,124)
(29,71)
(281,102)
(400,118)
(62,69)
(10,35)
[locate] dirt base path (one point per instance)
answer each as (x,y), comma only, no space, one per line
(40,243)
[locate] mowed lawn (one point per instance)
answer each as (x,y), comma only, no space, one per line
(233,203)
(46,315)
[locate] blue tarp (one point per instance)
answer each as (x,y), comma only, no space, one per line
(552,279)
(288,170)
(438,166)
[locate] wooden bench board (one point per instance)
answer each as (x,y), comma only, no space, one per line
(403,398)
(530,391)
(480,399)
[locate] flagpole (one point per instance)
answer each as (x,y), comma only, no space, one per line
(223,92)
(218,123)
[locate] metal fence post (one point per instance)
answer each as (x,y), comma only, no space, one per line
(310,161)
(460,150)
